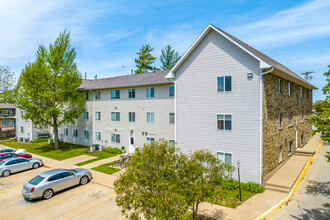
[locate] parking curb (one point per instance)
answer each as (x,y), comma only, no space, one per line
(288,197)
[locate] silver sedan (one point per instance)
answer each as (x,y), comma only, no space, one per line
(46,184)
(14,165)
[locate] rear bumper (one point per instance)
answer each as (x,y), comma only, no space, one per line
(30,195)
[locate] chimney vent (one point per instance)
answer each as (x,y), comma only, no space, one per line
(85,75)
(95,77)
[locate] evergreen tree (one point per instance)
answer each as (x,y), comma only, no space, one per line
(169,58)
(322,109)
(143,63)
(48,88)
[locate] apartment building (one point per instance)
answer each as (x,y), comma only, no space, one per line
(125,111)
(222,95)
(7,116)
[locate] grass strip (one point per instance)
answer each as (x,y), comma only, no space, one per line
(106,168)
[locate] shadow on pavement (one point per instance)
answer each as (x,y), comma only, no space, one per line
(318,188)
(321,213)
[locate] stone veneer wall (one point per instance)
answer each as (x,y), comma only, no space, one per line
(275,137)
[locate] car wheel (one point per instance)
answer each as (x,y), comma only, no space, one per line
(48,194)
(36,165)
(6,173)
(84,180)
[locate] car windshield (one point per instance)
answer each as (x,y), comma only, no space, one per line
(36,180)
(2,162)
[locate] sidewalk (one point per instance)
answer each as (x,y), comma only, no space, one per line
(283,179)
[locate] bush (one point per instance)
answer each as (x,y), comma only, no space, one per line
(249,186)
(40,140)
(113,150)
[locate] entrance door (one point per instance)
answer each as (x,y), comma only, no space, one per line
(131,142)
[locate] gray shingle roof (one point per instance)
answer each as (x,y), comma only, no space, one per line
(150,78)
(6,105)
(264,57)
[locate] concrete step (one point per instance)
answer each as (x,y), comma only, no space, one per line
(277,189)
(304,153)
(277,186)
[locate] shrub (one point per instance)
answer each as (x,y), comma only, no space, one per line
(113,150)
(249,186)
(40,140)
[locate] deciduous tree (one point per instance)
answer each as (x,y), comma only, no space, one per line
(7,81)
(322,119)
(47,91)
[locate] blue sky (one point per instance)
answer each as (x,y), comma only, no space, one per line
(107,34)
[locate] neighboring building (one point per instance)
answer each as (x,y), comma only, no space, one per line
(125,111)
(26,131)
(223,95)
(7,116)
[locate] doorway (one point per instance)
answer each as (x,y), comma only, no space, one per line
(131,146)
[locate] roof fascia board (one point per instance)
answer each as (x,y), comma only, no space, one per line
(294,79)
(128,85)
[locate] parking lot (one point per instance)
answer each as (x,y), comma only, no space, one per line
(93,201)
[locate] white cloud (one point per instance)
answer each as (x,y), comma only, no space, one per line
(291,26)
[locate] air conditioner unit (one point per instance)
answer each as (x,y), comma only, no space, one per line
(20,139)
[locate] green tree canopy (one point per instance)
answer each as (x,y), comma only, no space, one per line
(322,108)
(169,57)
(7,81)
(145,59)
(47,91)
(163,183)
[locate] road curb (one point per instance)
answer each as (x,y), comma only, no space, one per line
(288,197)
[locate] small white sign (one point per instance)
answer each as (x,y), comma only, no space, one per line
(238,164)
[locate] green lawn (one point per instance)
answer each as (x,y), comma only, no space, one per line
(230,198)
(106,168)
(66,150)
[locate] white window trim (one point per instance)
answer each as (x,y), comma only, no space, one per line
(216,84)
(224,130)
(224,154)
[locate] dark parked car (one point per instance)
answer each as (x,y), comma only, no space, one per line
(11,155)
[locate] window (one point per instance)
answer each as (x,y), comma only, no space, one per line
(301,140)
(224,83)
(280,86)
(172,118)
(224,122)
(85,115)
(301,92)
(280,154)
(115,116)
(150,140)
(307,93)
(280,120)
(290,147)
(290,92)
(171,90)
(115,94)
(66,174)
(97,95)
(290,118)
(131,93)
(75,133)
(98,136)
(302,117)
(12,162)
(97,115)
(86,134)
(225,157)
(55,177)
(66,131)
(6,122)
(115,138)
(21,160)
(150,92)
(171,142)
(150,117)
(21,129)
(131,116)
(86,95)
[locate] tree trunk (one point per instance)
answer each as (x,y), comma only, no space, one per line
(56,141)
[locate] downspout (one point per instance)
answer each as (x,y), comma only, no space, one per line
(260,121)
(93,117)
(175,111)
